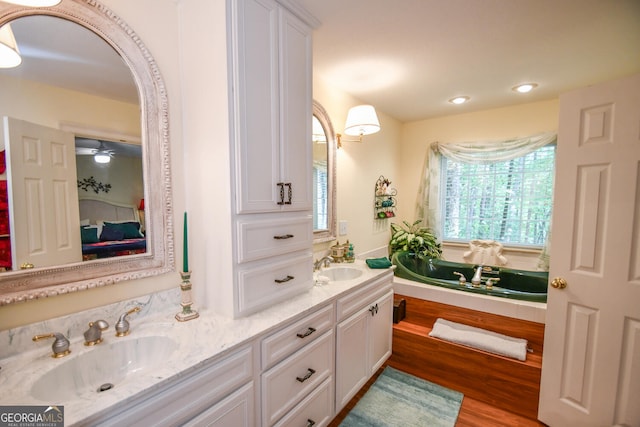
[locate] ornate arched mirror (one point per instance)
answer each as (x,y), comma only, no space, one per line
(85,75)
(324,176)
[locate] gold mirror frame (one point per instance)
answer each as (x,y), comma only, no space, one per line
(329,234)
(24,285)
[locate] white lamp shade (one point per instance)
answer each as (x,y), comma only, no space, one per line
(362,120)
(34,3)
(9,53)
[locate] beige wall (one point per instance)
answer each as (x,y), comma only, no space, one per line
(358,167)
(50,106)
(499,123)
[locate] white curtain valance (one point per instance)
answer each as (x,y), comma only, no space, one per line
(493,151)
(428,198)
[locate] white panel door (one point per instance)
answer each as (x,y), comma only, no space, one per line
(257,162)
(296,104)
(352,351)
(43,195)
(591,360)
(381,334)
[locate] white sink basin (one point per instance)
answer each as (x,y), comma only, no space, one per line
(105,366)
(336,274)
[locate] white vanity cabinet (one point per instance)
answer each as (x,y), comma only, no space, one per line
(363,336)
(298,364)
(270,68)
(272,85)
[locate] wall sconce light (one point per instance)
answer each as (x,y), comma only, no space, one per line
(9,53)
(361,120)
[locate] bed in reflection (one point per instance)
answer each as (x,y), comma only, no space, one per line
(110,229)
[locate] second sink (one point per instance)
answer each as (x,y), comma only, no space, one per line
(335,274)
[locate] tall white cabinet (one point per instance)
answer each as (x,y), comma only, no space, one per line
(270,57)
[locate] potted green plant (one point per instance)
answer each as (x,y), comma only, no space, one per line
(414,238)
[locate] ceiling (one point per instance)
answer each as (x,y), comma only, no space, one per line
(406,57)
(409,57)
(67,55)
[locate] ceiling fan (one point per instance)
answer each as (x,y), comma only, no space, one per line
(100,155)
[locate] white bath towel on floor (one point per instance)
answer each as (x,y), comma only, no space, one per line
(480,338)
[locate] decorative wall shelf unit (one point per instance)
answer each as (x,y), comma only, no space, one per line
(385,199)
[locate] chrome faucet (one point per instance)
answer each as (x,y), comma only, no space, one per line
(122,325)
(93,335)
(477,277)
(60,346)
(322,261)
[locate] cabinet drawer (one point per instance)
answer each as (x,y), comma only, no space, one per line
(351,303)
(284,385)
(316,409)
(235,410)
(263,285)
(265,238)
(190,396)
(293,337)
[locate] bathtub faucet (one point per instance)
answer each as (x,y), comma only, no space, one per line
(477,277)
(462,279)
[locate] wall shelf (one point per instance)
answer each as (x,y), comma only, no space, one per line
(385,199)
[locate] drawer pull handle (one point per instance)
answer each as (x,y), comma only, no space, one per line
(306,377)
(289,193)
(373,309)
(310,423)
(286,279)
(306,334)
(281,185)
(283,236)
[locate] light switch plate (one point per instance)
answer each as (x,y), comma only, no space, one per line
(342,227)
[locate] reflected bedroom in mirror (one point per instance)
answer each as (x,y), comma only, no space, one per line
(60,208)
(82,134)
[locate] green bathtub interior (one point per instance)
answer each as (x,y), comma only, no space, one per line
(514,284)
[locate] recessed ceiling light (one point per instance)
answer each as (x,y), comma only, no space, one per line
(525,87)
(459,99)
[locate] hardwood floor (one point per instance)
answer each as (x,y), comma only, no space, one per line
(498,391)
(473,413)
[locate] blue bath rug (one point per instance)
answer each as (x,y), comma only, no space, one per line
(403,400)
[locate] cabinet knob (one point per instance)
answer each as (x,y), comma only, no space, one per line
(310,423)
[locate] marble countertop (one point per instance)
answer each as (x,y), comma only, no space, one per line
(197,341)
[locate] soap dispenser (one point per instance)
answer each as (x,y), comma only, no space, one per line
(350,257)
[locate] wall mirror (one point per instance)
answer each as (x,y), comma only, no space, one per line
(116,103)
(324,176)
